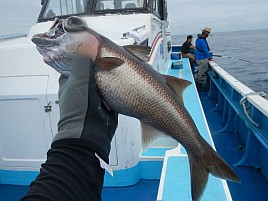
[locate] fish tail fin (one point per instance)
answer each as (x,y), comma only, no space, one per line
(199,176)
(219,168)
(202,165)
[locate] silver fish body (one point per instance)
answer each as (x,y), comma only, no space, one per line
(132,87)
(143,93)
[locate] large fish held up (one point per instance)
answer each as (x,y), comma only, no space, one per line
(130,86)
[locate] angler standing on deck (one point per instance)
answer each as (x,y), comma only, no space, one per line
(203,56)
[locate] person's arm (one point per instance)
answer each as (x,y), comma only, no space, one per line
(192,47)
(204,47)
(72,171)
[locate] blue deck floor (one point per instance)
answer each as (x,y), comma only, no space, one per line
(176,180)
(253,184)
(145,190)
(12,192)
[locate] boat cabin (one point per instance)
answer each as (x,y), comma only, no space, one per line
(30,101)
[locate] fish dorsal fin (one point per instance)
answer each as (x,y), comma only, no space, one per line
(139,51)
(177,85)
(149,135)
(108,63)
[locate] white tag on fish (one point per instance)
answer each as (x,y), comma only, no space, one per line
(104,165)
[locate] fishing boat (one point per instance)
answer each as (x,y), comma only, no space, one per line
(229,115)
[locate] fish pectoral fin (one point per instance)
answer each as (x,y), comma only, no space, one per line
(140,51)
(177,85)
(108,63)
(149,135)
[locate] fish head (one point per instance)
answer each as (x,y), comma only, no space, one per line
(60,43)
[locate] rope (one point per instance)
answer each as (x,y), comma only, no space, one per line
(243,102)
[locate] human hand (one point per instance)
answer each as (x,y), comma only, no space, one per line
(211,53)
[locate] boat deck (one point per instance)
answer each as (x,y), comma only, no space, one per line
(175,184)
(175,179)
(12,192)
(145,190)
(253,184)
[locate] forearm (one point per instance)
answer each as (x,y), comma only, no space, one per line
(71,172)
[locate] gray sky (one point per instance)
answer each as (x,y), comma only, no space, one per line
(187,16)
(18,15)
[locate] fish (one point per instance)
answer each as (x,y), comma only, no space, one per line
(130,86)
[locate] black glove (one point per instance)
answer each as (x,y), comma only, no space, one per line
(83,116)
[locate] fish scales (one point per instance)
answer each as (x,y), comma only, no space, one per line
(153,98)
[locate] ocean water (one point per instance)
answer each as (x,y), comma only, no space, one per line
(245,55)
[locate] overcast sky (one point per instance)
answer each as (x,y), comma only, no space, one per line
(18,15)
(187,16)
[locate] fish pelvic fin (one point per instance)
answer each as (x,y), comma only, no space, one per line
(149,135)
(177,85)
(108,63)
(202,165)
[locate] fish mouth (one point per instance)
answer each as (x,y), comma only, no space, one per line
(49,38)
(59,28)
(52,44)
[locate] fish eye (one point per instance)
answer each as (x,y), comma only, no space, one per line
(75,24)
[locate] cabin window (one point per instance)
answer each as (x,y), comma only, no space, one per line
(160,9)
(63,7)
(156,6)
(118,4)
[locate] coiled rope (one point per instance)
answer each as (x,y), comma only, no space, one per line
(243,102)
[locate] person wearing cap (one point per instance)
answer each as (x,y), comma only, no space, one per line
(186,50)
(203,56)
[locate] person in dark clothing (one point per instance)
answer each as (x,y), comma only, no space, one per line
(203,57)
(74,170)
(186,50)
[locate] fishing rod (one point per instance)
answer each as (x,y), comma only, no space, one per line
(216,55)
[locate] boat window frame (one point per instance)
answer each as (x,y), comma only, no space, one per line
(143,9)
(44,4)
(162,9)
(89,10)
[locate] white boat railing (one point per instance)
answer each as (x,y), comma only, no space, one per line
(254,98)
